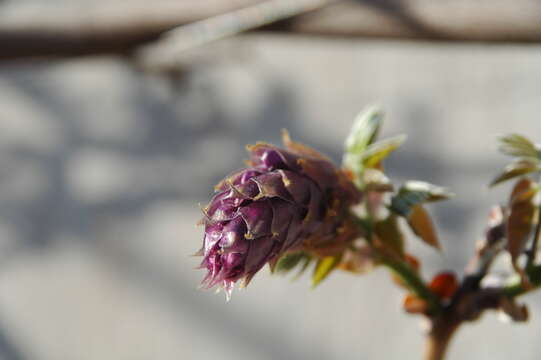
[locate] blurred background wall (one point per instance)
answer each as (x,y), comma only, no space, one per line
(103,167)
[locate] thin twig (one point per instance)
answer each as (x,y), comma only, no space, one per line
(533,250)
(470,300)
(166,52)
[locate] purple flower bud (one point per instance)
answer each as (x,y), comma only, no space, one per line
(286,200)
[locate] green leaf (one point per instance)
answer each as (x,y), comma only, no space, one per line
(323,268)
(289,261)
(363,133)
(307,260)
(515,169)
(378,151)
(519,146)
(364,130)
(416,192)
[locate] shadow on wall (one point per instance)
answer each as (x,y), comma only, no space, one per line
(91,180)
(111,143)
(173,134)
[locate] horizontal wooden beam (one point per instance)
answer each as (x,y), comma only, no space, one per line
(446,20)
(35,31)
(42,30)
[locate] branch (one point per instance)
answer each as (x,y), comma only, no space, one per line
(404,271)
(486,251)
(172,45)
(414,283)
(533,250)
(469,304)
(517,288)
(438,339)
(34,30)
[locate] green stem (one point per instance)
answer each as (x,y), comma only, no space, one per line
(517,288)
(414,283)
(404,271)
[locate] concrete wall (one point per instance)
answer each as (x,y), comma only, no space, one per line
(103,167)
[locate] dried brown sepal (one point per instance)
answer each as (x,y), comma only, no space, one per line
(358,261)
(300,148)
(333,241)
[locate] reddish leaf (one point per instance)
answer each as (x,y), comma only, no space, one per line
(398,281)
(389,239)
(520,220)
(444,285)
(413,262)
(415,305)
(421,224)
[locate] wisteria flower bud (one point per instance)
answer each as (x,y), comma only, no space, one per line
(285,200)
